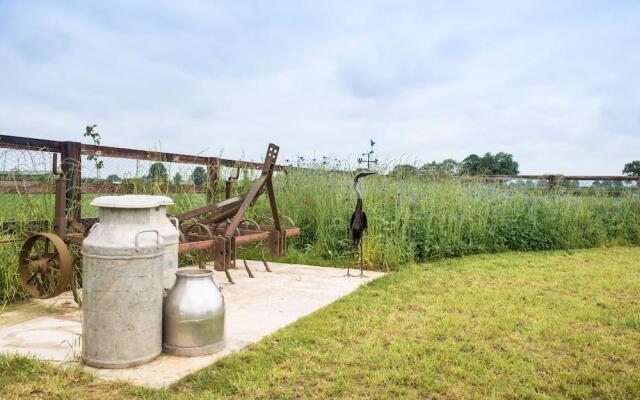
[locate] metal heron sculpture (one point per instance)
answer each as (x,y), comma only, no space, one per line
(358,219)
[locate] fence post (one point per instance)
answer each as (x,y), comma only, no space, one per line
(71,165)
(212,178)
(552,181)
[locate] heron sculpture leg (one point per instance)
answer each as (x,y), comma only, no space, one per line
(361,263)
(362,275)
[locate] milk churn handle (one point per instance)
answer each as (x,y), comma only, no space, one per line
(175,222)
(147,231)
(93,227)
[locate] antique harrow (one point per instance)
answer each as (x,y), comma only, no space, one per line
(222,227)
(48,261)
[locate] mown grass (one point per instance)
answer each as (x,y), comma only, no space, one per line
(515,325)
(413,219)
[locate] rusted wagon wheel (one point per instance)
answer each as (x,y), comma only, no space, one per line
(44,265)
(197,231)
(193,232)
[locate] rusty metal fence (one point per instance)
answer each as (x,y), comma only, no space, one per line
(33,166)
(27,166)
(552,181)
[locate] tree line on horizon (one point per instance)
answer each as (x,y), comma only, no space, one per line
(157,174)
(489,164)
(499,164)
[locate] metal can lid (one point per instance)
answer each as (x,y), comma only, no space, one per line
(127,201)
(162,200)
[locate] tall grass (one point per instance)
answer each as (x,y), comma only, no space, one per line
(410,219)
(419,219)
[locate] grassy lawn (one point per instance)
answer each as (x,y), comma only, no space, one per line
(516,325)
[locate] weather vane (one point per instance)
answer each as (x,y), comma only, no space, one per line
(369,154)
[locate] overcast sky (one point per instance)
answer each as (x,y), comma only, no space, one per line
(555,84)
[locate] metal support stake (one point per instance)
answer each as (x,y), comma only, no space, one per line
(212,178)
(71,165)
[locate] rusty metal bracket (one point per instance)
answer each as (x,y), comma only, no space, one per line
(224,254)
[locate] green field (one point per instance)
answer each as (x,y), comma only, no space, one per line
(516,325)
(414,219)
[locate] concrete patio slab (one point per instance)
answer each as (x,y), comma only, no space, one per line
(50,329)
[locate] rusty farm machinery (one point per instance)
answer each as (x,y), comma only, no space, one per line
(49,259)
(223,227)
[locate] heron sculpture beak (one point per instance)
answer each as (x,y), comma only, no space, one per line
(362,174)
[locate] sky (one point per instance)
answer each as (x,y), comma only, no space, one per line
(555,83)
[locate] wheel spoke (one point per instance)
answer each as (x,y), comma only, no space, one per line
(39,248)
(51,281)
(52,257)
(32,277)
(40,285)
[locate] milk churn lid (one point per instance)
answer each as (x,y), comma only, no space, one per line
(165,201)
(128,201)
(161,200)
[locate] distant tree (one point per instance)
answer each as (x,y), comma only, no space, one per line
(450,166)
(489,164)
(158,173)
(632,168)
(113,178)
(471,165)
(428,168)
(404,170)
(177,179)
(199,176)
(446,167)
(504,164)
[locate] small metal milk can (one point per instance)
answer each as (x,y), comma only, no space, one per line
(193,315)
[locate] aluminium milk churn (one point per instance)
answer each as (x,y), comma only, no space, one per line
(122,284)
(168,228)
(193,314)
